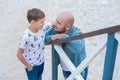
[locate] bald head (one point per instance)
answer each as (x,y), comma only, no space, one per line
(67,17)
(64,22)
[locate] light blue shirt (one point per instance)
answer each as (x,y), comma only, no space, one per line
(75,49)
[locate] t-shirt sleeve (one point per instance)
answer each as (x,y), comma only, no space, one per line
(47,27)
(23,42)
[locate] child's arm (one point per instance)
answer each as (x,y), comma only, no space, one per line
(47,27)
(22,59)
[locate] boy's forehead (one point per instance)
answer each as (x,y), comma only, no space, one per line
(41,20)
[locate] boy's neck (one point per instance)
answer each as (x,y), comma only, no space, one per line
(32,29)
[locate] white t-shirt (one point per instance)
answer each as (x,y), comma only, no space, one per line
(33,45)
(63,65)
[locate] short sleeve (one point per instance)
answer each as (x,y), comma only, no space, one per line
(23,42)
(47,27)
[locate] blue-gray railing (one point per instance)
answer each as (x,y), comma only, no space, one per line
(110,56)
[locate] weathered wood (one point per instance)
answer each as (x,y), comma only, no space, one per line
(110,54)
(110,57)
(87,61)
(89,34)
(117,36)
(67,61)
(54,65)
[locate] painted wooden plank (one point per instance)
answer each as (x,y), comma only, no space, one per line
(54,65)
(87,60)
(117,36)
(89,34)
(67,61)
(110,57)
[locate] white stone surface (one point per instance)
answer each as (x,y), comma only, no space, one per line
(89,15)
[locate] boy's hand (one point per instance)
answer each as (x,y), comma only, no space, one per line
(57,36)
(29,67)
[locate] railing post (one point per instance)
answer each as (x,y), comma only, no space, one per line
(54,65)
(110,57)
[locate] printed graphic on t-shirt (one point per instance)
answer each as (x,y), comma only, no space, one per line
(33,45)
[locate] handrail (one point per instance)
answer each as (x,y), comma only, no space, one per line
(87,60)
(109,58)
(89,34)
(67,61)
(83,65)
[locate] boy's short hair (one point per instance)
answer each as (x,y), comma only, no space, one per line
(35,14)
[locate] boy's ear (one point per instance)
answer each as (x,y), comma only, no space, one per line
(32,21)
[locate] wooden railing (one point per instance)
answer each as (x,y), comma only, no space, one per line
(89,34)
(109,58)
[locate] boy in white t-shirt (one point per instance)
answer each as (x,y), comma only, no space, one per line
(31,46)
